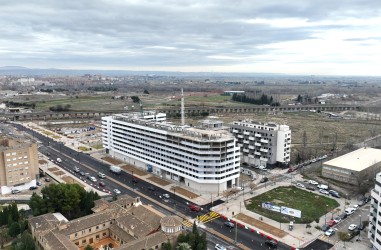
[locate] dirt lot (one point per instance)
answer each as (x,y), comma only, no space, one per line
(59,172)
(70,180)
(112,160)
(42,162)
(159,181)
(184,192)
(53,169)
(261,225)
(137,171)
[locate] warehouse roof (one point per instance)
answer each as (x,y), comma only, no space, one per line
(357,160)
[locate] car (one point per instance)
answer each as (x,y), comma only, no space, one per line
(349,211)
(117,191)
(355,206)
(101,175)
(91,178)
(271,243)
(330,232)
(151,188)
(166,196)
(264,179)
(76,169)
(195,208)
(367,199)
(33,187)
(229,224)
(299,185)
(135,180)
(82,173)
(323,191)
(336,195)
(322,186)
(361,203)
(352,227)
(239,188)
(290,170)
(331,223)
(325,228)
(16,191)
(337,219)
(313,182)
(262,168)
(343,216)
(102,184)
(219,247)
(312,188)
(47,179)
(38,183)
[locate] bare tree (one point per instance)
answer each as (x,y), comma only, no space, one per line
(253,185)
(304,138)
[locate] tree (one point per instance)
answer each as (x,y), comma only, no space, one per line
(25,242)
(304,138)
(4,236)
(88,247)
(166,245)
(14,229)
(183,246)
(146,92)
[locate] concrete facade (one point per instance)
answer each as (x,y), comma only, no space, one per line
(374,232)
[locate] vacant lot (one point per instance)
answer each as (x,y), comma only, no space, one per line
(312,205)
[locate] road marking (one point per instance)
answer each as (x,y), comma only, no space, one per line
(208,217)
(187,223)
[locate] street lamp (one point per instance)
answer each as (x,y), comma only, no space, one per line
(325,215)
(358,239)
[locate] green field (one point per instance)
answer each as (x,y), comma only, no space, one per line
(312,205)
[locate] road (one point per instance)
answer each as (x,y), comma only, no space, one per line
(91,166)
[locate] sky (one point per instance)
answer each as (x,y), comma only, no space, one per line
(318,37)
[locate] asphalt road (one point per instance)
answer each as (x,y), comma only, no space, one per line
(71,158)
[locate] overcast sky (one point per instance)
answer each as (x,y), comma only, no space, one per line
(326,37)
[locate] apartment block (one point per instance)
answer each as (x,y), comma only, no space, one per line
(203,158)
(374,232)
(18,164)
(262,144)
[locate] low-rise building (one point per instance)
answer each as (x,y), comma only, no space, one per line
(122,224)
(18,164)
(354,167)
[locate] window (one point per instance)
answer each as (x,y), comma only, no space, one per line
(75,235)
(84,241)
(97,227)
(89,230)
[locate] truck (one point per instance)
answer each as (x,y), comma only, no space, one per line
(59,160)
(115,169)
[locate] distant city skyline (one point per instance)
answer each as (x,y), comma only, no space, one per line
(320,37)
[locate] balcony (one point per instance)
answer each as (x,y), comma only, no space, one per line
(257,144)
(239,144)
(246,150)
(235,131)
(251,138)
(251,156)
(246,133)
(257,153)
(264,150)
(251,147)
(263,159)
(240,136)
(258,135)
(264,141)
(246,141)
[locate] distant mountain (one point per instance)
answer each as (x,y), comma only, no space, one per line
(23,71)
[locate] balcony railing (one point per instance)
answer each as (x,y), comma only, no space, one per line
(257,144)
(264,141)
(251,138)
(257,135)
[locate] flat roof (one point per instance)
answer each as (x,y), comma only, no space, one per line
(357,160)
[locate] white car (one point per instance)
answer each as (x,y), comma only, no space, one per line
(323,191)
(330,232)
(262,168)
(322,186)
(117,191)
(219,247)
(313,182)
(352,227)
(300,185)
(355,206)
(166,196)
(349,211)
(337,219)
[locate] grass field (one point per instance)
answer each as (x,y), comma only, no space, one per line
(312,205)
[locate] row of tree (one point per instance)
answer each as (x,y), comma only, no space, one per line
(102,88)
(60,108)
(13,104)
(262,100)
(71,200)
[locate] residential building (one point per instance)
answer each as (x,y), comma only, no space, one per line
(121,225)
(263,144)
(203,158)
(354,167)
(374,232)
(18,164)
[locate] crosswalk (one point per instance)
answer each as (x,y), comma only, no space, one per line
(187,223)
(208,217)
(328,239)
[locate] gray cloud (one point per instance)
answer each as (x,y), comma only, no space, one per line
(123,34)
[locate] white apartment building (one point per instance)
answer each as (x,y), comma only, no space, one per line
(374,232)
(204,159)
(263,144)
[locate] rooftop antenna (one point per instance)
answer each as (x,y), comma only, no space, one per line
(182,108)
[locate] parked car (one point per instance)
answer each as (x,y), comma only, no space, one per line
(338,219)
(117,191)
(166,196)
(349,211)
(299,185)
(219,247)
(264,179)
(330,232)
(82,173)
(38,183)
(323,191)
(313,182)
(229,224)
(352,227)
(334,194)
(355,206)
(33,187)
(16,191)
(325,227)
(47,179)
(331,223)
(343,216)
(102,184)
(312,188)
(362,203)
(101,175)
(322,186)
(151,188)
(271,243)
